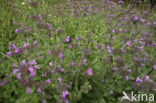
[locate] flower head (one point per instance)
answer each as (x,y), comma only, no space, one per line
(136,18)
(67,38)
(59,79)
(61,55)
(115,68)
(15,70)
(154,66)
(128,43)
(121,2)
(111,91)
(64,94)
(39,90)
(89,71)
(70,46)
(84,60)
(127,78)
(138,79)
(52,71)
(19,76)
(147,77)
(28,90)
(8,53)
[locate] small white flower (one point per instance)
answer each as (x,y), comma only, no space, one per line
(23,3)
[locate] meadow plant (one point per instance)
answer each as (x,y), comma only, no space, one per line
(81,51)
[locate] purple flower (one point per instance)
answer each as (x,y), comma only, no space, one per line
(141,47)
(73,63)
(154,66)
(115,68)
(67,38)
(13,45)
(117,58)
(52,71)
(58,66)
(143,20)
(21,24)
(61,55)
(127,78)
(136,18)
(64,94)
(59,79)
(108,47)
(35,42)
(111,92)
(9,47)
(18,76)
(50,26)
(96,46)
(10,43)
(33,62)
(39,90)
(48,80)
(31,69)
(66,101)
(102,46)
(135,58)
(128,43)
(16,30)
(109,50)
(57,29)
(78,43)
(113,37)
(129,70)
(147,77)
(113,30)
(70,46)
(16,50)
(43,101)
(89,71)
(37,66)
(76,37)
(15,70)
(26,44)
(138,79)
(23,61)
(8,53)
(28,90)
(121,2)
(49,51)
(147,89)
(33,73)
(49,15)
(148,23)
(84,60)
(62,69)
(71,82)
(7,74)
(4,82)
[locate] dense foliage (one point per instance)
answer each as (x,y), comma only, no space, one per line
(81,51)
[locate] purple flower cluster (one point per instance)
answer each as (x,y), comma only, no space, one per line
(26,68)
(20,50)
